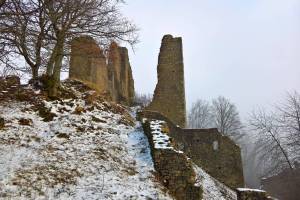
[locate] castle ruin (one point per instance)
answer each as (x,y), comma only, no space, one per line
(169,94)
(211,150)
(109,75)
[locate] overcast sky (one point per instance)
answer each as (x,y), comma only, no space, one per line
(245,50)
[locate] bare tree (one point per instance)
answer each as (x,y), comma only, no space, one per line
(2,2)
(142,99)
(200,115)
(271,143)
(98,18)
(289,120)
(278,134)
(23,30)
(41,30)
(226,117)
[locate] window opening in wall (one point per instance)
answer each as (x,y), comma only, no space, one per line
(215,145)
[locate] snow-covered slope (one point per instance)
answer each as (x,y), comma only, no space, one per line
(212,188)
(53,160)
(88,151)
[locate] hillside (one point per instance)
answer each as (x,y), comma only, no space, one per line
(79,147)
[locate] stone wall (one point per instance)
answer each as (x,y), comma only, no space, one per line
(88,64)
(251,194)
(169,94)
(285,185)
(174,169)
(215,153)
(110,76)
(210,150)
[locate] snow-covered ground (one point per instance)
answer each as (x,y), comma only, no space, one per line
(74,156)
(212,188)
(87,151)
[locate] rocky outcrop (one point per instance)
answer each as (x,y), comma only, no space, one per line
(110,76)
(169,94)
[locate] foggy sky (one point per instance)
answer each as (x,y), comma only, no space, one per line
(247,51)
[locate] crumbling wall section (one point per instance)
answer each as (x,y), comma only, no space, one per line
(110,75)
(215,153)
(252,194)
(284,185)
(121,79)
(174,169)
(169,94)
(88,64)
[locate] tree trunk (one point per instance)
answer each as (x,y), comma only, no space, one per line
(55,77)
(51,61)
(35,72)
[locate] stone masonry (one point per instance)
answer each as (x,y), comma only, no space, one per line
(88,64)
(252,194)
(209,149)
(285,185)
(174,168)
(120,74)
(110,76)
(169,94)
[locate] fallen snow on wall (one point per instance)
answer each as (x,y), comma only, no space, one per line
(74,156)
(212,188)
(160,139)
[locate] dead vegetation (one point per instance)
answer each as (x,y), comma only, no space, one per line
(2,123)
(37,177)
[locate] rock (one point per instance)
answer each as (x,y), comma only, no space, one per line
(79,110)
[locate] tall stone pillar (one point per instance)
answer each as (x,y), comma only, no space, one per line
(169,94)
(121,79)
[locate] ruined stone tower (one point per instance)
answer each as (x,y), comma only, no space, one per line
(120,74)
(110,76)
(169,94)
(88,64)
